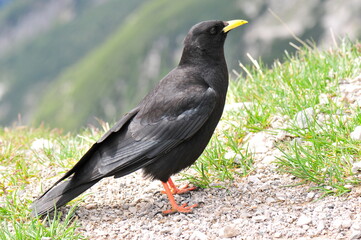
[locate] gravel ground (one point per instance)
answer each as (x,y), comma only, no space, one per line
(259,206)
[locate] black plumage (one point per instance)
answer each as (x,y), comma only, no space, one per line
(167,131)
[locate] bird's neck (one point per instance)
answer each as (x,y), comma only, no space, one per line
(197,56)
(213,64)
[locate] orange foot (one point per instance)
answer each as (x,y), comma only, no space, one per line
(175,190)
(171,189)
(183,209)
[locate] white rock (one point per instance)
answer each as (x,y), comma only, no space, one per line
(260,142)
(304,118)
(355,235)
(356,226)
(281,135)
(254,179)
(356,134)
(238,106)
(40,144)
(229,232)
(320,225)
(346,223)
(318,209)
(310,196)
(269,159)
(229,155)
(277,121)
(260,218)
(323,98)
(336,223)
(303,220)
(237,158)
(281,196)
(197,235)
(132,210)
(270,200)
(90,206)
(356,167)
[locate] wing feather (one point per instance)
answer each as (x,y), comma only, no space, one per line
(168,116)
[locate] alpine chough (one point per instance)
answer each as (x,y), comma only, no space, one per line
(167,131)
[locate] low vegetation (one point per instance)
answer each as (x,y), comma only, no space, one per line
(321,154)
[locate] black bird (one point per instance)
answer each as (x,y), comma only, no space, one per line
(167,131)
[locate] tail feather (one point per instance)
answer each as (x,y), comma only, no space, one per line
(58,196)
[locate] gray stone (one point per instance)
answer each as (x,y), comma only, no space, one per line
(356,134)
(356,167)
(304,118)
(229,232)
(281,196)
(310,196)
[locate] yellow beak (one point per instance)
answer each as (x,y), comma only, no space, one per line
(233,24)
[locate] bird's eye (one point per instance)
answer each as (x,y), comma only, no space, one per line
(213,30)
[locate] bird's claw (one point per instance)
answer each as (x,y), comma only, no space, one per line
(184,189)
(183,209)
(181,190)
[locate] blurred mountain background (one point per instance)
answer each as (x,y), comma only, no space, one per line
(65,63)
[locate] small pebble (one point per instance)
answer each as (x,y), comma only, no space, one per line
(229,232)
(356,134)
(355,235)
(281,196)
(90,206)
(346,223)
(304,118)
(260,218)
(337,223)
(320,226)
(310,196)
(197,235)
(303,220)
(132,210)
(356,167)
(323,98)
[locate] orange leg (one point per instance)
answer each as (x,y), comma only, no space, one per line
(175,207)
(176,190)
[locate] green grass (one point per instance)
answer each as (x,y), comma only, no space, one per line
(321,155)
(22,163)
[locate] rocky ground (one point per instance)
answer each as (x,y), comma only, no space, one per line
(264,205)
(260,206)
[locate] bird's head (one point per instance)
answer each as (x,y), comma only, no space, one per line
(209,36)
